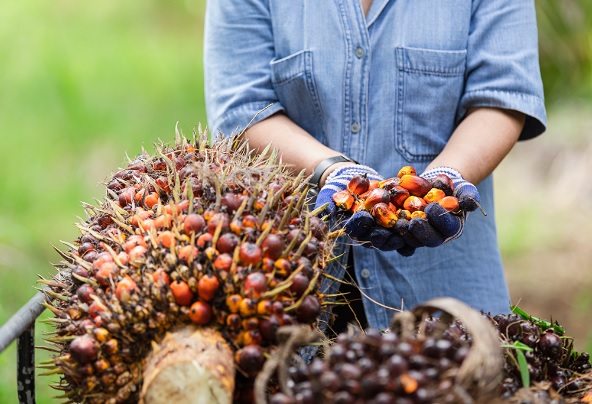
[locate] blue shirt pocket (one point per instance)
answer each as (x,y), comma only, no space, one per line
(293,81)
(425,77)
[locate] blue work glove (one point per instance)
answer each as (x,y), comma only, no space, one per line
(360,226)
(442,226)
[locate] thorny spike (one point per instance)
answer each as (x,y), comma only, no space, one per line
(54,295)
(46,348)
(54,310)
(302,246)
(265,233)
(287,215)
(90,281)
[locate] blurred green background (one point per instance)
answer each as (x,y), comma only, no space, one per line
(81,86)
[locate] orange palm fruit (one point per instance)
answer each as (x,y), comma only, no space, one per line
(398,195)
(418,213)
(358,184)
(343,199)
(375,196)
(384,215)
(181,292)
(207,286)
(233,302)
(200,313)
(406,170)
(416,185)
(414,203)
(373,184)
(434,195)
(450,203)
(125,287)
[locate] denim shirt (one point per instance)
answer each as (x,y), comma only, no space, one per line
(386,89)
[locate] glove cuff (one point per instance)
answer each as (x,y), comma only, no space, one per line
(449,171)
(352,170)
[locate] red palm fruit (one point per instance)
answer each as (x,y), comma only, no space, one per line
(215,221)
(163,221)
(151,200)
(183,206)
(406,170)
(84,349)
(193,223)
(443,182)
(255,284)
(207,287)
(95,309)
(200,313)
(373,184)
(377,195)
(273,246)
(416,185)
(161,277)
(250,254)
(450,203)
(384,215)
(108,271)
(223,262)
(434,195)
(123,258)
(101,259)
(126,197)
(358,184)
(398,195)
(309,309)
(250,359)
(187,253)
(418,213)
(124,289)
(414,203)
(233,302)
(181,292)
(166,239)
(137,254)
(343,199)
(227,242)
(204,240)
(300,282)
(231,201)
(268,328)
(84,293)
(389,183)
(163,183)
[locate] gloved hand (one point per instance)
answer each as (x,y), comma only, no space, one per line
(360,226)
(442,226)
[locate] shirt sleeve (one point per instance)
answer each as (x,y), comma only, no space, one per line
(238,46)
(503,66)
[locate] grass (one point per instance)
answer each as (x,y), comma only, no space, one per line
(82,86)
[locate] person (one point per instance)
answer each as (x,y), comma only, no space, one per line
(447,86)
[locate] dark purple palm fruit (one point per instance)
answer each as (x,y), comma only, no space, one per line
(550,345)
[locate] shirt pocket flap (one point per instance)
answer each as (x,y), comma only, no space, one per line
(290,67)
(440,62)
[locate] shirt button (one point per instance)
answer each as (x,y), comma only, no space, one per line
(365,273)
(355,128)
(359,53)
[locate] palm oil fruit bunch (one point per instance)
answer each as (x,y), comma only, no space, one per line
(401,198)
(380,367)
(539,354)
(204,233)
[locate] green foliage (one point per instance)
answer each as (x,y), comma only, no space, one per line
(565,43)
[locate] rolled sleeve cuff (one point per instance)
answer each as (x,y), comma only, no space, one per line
(533,107)
(236,120)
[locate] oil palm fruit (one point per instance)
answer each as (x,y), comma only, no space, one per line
(203,233)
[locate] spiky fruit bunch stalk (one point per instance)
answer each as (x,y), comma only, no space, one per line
(199,233)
